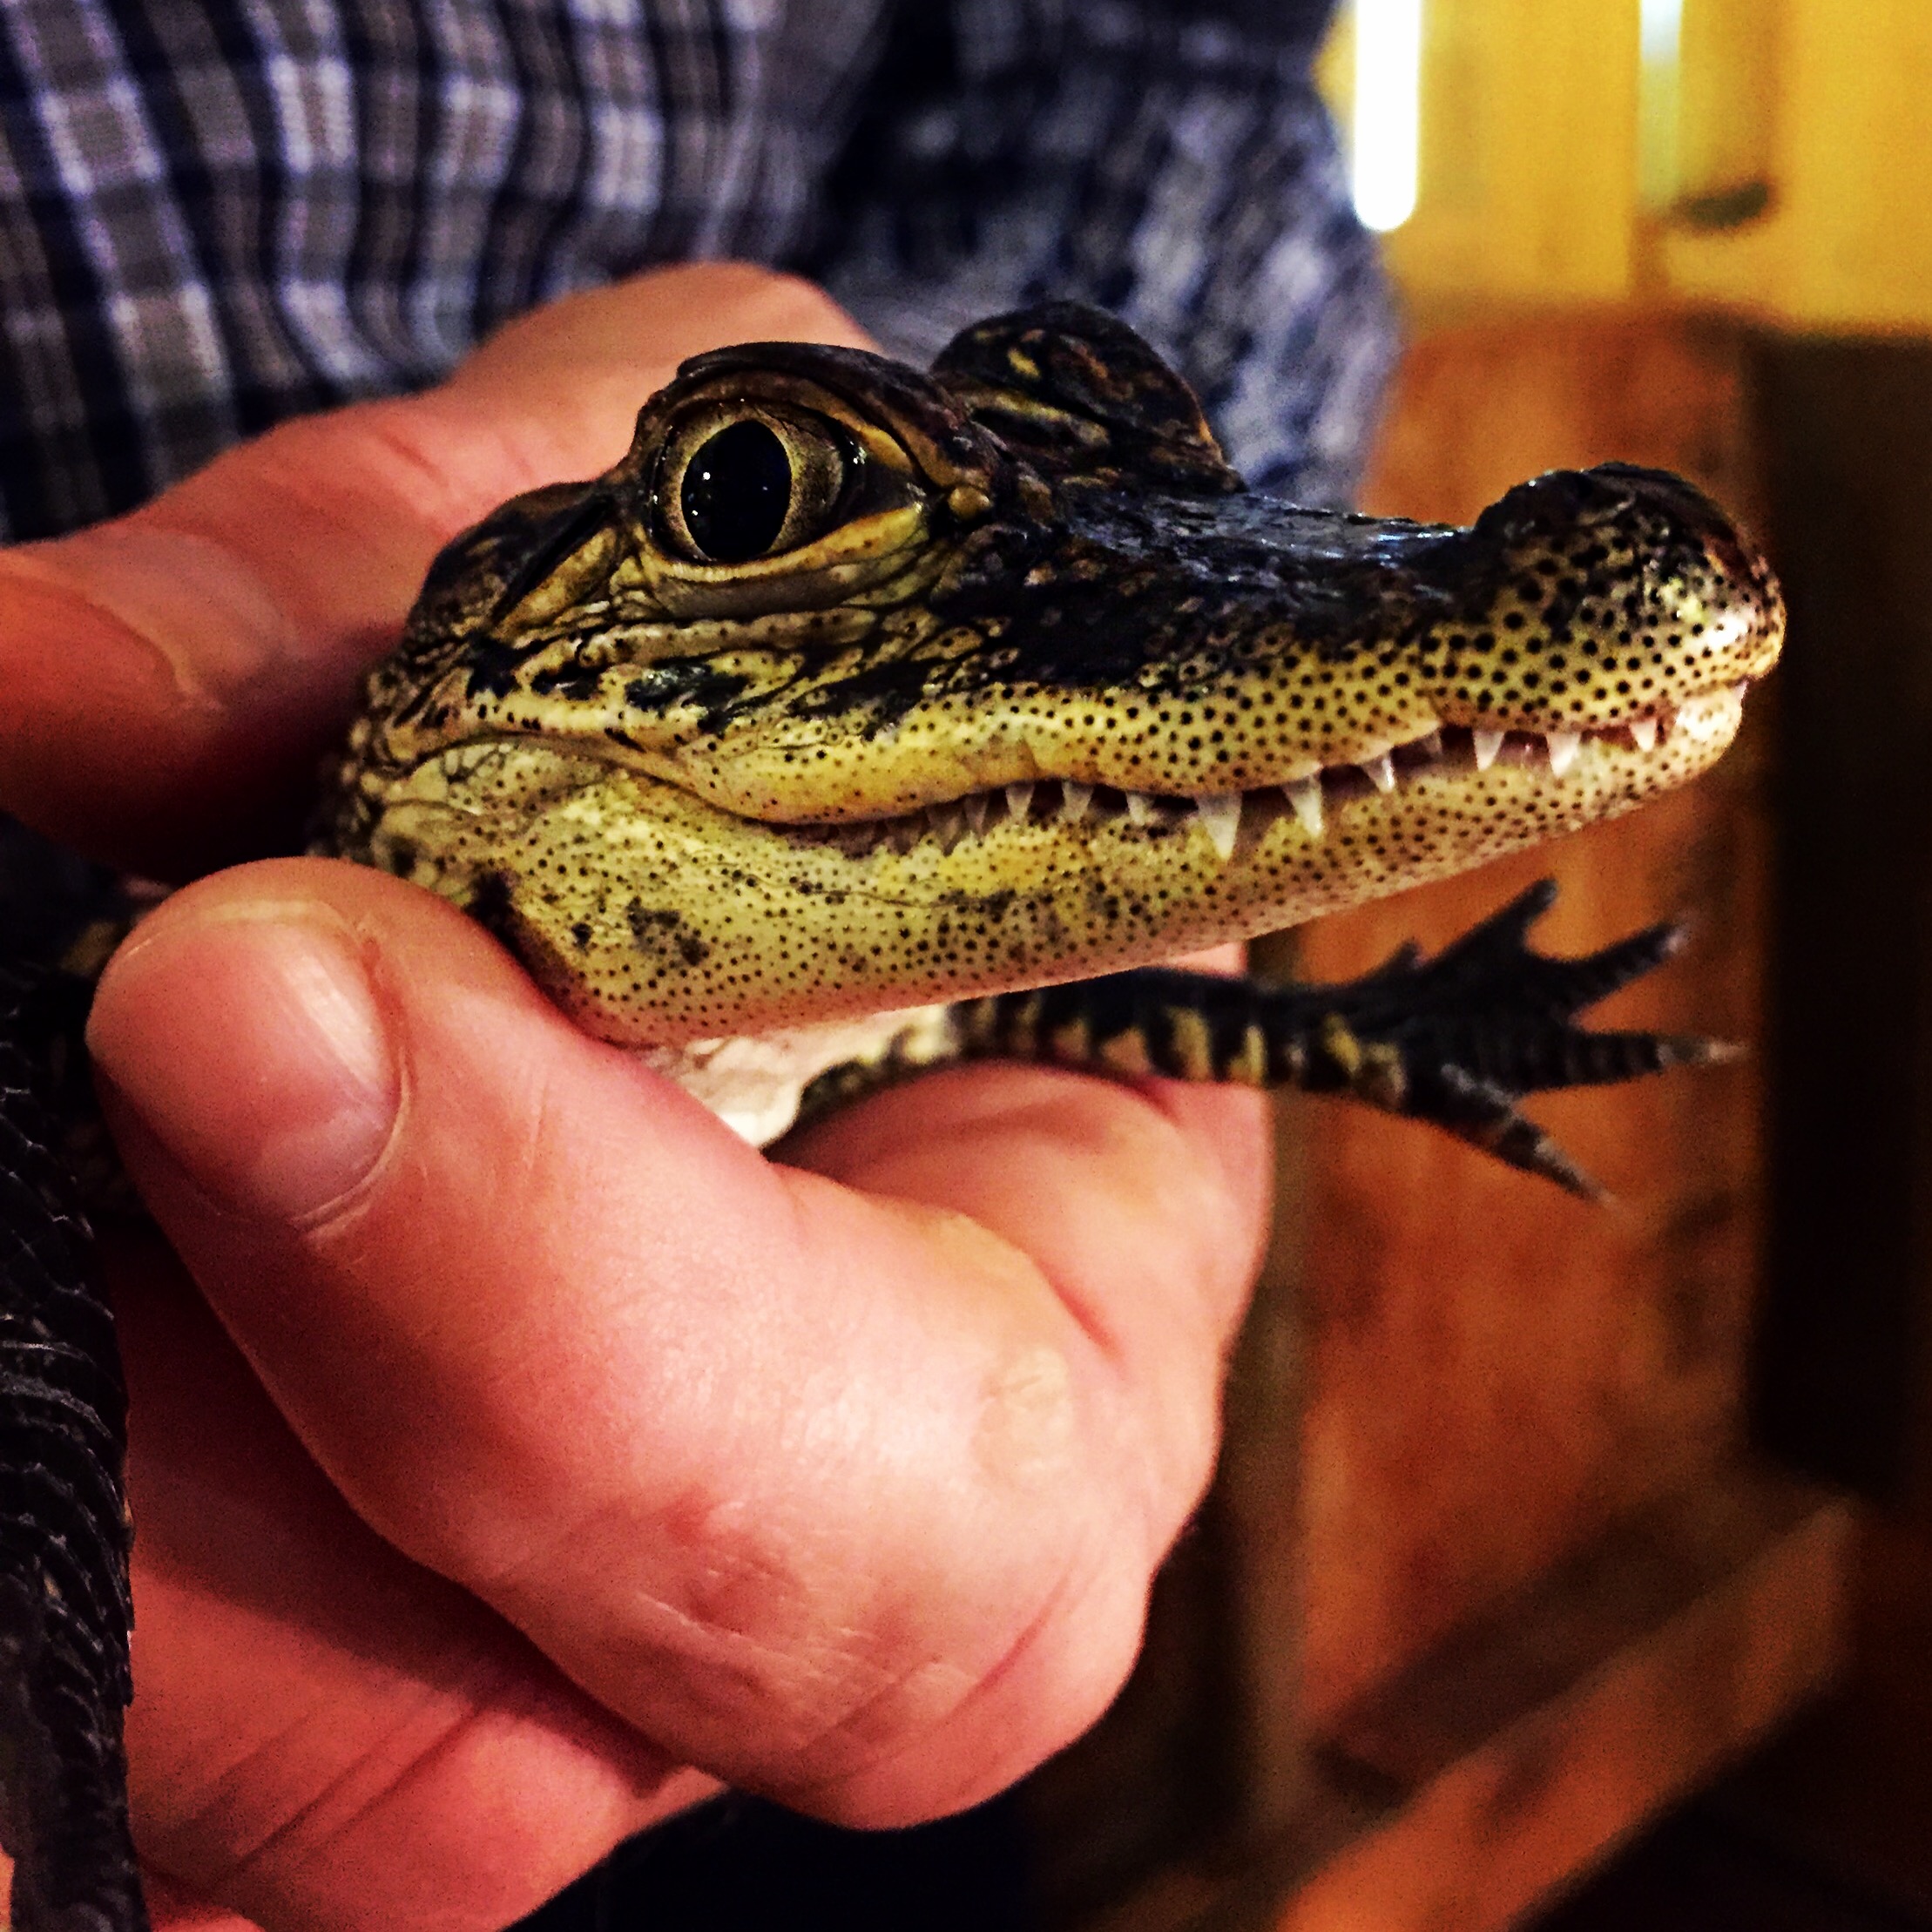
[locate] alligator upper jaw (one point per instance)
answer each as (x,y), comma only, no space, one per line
(1687,736)
(1313,798)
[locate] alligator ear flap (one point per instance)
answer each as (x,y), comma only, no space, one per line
(1073,390)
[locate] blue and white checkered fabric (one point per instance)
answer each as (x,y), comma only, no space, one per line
(217,215)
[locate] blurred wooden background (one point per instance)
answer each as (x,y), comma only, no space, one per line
(1764,155)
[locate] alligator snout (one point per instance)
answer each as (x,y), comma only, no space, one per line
(1586,599)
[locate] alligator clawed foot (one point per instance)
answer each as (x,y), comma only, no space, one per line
(1458,1040)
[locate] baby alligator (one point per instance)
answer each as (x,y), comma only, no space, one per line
(862,720)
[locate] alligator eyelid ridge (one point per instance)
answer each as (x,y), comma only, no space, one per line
(567,534)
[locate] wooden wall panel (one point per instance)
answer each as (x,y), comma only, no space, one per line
(1778,164)
(1849,1319)
(1845,238)
(1528,152)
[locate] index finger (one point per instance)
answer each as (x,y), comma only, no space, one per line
(173,676)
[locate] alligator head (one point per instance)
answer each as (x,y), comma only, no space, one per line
(852,687)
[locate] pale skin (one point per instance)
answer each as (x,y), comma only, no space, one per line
(515,1454)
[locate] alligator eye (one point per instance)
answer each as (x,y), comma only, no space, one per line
(732,488)
(736,491)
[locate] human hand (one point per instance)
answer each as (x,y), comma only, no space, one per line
(548,1454)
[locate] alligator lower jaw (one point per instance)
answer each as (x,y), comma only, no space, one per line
(1234,821)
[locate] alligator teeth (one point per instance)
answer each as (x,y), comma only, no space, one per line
(1305,795)
(1221,814)
(1564,748)
(1643,733)
(1488,744)
(1430,744)
(1381,772)
(1018,799)
(1140,808)
(1702,721)
(1074,800)
(944,820)
(975,812)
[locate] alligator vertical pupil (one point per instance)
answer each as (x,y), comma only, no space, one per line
(736,491)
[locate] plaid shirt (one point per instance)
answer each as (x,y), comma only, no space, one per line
(215,216)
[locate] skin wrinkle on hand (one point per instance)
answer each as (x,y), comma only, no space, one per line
(1091,1679)
(825,1658)
(426,1716)
(795,1688)
(341,1628)
(202,609)
(872,1725)
(1027,1425)
(315,1009)
(793,1662)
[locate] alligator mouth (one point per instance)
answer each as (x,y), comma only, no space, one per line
(1234,821)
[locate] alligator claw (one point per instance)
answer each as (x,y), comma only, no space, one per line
(1456,1040)
(1459,1039)
(1487,1118)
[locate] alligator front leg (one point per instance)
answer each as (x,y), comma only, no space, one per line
(1456,1041)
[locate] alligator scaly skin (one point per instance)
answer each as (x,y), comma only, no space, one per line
(65,1607)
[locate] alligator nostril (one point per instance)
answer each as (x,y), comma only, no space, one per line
(1562,500)
(1554,502)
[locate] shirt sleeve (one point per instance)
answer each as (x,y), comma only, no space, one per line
(1171,163)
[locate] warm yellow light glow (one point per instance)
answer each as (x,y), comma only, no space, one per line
(1388,109)
(1660,47)
(1661,28)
